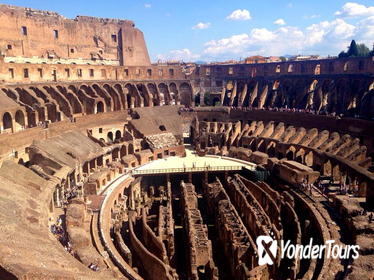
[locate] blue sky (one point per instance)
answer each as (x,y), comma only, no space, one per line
(220,29)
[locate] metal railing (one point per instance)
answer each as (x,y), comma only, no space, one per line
(187,169)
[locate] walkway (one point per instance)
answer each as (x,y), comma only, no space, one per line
(192,163)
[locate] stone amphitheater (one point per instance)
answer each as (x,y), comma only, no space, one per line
(115,168)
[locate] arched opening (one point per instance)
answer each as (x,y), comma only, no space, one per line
(131,148)
(186,94)
(123,151)
(110,136)
(7,121)
(20,120)
(299,159)
(317,69)
(99,107)
(289,155)
(197,99)
(346,67)
(271,149)
(118,134)
(115,154)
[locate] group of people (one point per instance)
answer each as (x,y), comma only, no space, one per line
(286,109)
(305,187)
(186,109)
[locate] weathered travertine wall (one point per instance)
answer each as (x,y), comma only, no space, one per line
(41,36)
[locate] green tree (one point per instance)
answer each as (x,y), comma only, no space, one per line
(282,58)
(363,50)
(352,50)
(342,54)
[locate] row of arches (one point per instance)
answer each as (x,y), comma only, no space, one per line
(58,102)
(13,123)
(350,97)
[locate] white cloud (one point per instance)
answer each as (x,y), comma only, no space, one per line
(312,16)
(234,44)
(262,35)
(202,25)
(239,15)
(365,28)
(280,21)
(326,37)
(178,55)
(147,5)
(352,9)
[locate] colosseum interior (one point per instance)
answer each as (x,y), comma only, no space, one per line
(115,168)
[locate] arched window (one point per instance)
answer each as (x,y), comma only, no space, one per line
(110,136)
(317,69)
(7,121)
(99,107)
(20,118)
(118,134)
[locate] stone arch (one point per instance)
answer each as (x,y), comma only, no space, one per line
(19,120)
(75,103)
(133,98)
(114,97)
(115,154)
(109,102)
(271,149)
(164,93)
(346,66)
(118,135)
(131,149)
(261,146)
(290,153)
(99,107)
(7,121)
(122,95)
(144,94)
(174,93)
(123,151)
(186,94)
(110,136)
(61,101)
(152,89)
(317,69)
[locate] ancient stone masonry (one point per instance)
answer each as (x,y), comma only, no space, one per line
(89,128)
(39,36)
(201,260)
(329,153)
(241,249)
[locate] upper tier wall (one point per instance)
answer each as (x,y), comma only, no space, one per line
(27,72)
(41,36)
(357,65)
